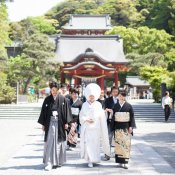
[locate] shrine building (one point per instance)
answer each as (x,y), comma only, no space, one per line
(87,54)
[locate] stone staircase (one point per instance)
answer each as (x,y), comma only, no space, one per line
(150,112)
(144,111)
(20,111)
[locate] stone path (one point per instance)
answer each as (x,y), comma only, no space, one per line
(27,156)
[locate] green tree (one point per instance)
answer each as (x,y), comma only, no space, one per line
(19,68)
(160,14)
(137,61)
(62,11)
(170,59)
(20,31)
(4,27)
(171,81)
(122,12)
(37,50)
(44,25)
(143,39)
(7,93)
(155,75)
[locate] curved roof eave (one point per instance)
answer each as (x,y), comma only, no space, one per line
(89,63)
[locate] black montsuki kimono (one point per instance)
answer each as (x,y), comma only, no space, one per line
(123,118)
(62,106)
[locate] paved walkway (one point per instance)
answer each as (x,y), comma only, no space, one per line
(27,159)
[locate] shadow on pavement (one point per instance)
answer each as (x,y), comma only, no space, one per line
(25,167)
(28,157)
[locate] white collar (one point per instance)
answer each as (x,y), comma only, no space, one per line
(122,104)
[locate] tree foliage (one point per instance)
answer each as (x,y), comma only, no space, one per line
(155,75)
(21,31)
(136,61)
(4,27)
(143,39)
(122,12)
(62,11)
(44,25)
(7,93)
(161,15)
(37,50)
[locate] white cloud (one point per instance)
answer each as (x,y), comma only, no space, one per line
(20,9)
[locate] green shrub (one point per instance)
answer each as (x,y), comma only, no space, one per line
(7,93)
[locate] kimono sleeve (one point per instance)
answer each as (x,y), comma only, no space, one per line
(67,111)
(132,119)
(104,134)
(83,117)
(41,119)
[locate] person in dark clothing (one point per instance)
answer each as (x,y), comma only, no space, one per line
(74,131)
(102,99)
(124,123)
(109,104)
(65,92)
(54,118)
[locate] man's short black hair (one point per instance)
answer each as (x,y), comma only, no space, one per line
(53,84)
(114,88)
(123,93)
(74,90)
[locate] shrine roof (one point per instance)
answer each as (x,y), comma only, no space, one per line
(106,48)
(85,22)
(136,81)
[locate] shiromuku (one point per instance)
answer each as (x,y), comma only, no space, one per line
(93,126)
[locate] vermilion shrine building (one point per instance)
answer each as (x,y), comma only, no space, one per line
(87,54)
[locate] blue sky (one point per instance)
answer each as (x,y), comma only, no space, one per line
(20,9)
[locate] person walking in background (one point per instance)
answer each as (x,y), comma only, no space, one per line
(124,122)
(93,127)
(54,118)
(167,105)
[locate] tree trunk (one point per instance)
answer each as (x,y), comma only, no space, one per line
(27,84)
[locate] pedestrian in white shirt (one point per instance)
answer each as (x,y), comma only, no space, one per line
(167,105)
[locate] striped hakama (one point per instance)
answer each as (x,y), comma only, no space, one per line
(54,151)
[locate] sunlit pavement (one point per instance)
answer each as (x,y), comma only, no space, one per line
(22,148)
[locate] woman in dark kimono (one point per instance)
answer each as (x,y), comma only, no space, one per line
(74,130)
(54,118)
(124,122)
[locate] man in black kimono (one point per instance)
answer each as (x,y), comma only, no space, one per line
(109,104)
(124,122)
(54,118)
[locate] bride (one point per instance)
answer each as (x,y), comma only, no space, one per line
(93,126)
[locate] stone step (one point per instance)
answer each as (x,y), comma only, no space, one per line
(151,112)
(19,112)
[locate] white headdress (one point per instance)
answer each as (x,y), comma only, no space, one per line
(92,89)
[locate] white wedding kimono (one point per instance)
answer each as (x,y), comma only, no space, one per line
(92,134)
